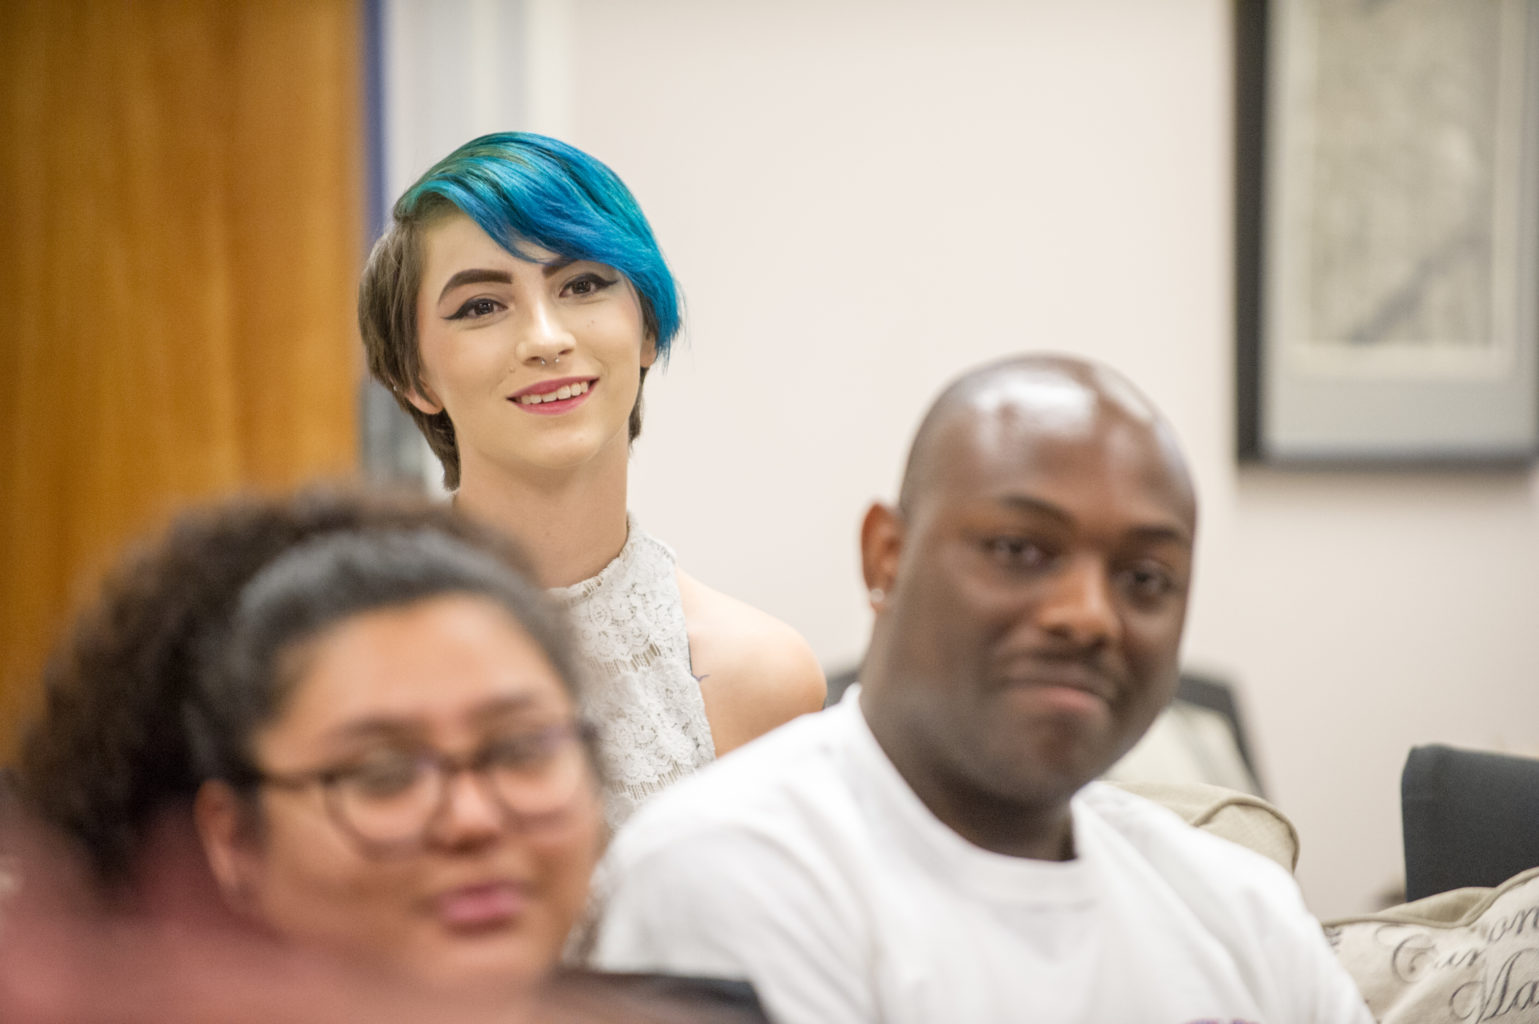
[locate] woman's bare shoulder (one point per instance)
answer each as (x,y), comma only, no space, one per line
(755,671)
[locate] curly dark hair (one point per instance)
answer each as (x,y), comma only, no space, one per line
(110,751)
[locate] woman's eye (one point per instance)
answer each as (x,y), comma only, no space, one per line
(475,309)
(588,284)
(519,751)
(386,776)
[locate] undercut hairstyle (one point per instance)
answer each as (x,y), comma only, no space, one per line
(111,753)
(523,190)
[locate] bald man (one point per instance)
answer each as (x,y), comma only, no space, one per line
(934,849)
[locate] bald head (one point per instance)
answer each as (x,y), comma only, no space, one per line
(1037,394)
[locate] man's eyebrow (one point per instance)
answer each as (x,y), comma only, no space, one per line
(1026,503)
(1163,534)
(1147,532)
(475,275)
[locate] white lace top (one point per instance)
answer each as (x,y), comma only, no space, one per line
(630,630)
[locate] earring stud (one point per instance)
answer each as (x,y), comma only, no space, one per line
(877,595)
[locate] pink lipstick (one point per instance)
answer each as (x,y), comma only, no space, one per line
(481,907)
(550,397)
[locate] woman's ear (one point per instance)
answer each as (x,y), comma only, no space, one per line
(648,351)
(421,396)
(228,834)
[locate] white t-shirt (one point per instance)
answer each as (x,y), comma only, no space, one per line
(805,864)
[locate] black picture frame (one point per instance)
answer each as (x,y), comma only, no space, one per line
(1316,391)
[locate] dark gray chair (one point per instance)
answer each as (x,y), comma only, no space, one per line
(1469,817)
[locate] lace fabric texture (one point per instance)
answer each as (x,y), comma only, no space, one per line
(630,630)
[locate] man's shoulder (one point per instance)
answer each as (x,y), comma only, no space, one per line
(761,789)
(1186,857)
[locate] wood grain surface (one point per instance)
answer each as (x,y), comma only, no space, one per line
(181,229)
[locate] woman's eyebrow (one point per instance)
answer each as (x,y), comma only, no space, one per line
(475,275)
(409,726)
(498,708)
(375,726)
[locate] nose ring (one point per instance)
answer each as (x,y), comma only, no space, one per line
(556,361)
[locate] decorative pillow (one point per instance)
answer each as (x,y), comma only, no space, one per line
(1455,958)
(1238,817)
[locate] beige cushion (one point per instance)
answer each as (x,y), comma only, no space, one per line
(1187,743)
(1238,817)
(1454,958)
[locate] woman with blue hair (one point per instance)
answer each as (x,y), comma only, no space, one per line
(514,307)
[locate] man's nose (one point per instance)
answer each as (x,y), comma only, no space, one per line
(1080,604)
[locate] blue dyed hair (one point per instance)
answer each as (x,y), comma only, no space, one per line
(522,189)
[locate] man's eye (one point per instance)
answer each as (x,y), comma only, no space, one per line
(475,309)
(1147,582)
(1016,552)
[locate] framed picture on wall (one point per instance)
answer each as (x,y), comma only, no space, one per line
(1387,299)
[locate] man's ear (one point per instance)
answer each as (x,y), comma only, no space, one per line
(881,543)
(423,398)
(228,836)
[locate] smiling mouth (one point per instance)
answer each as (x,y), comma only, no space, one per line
(1064,677)
(561,394)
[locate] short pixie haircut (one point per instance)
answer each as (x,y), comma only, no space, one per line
(521,189)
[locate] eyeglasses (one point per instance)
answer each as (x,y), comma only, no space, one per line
(387,802)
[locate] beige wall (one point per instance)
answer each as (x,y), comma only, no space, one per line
(862,197)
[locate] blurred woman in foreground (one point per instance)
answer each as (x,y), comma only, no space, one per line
(367,708)
(395,769)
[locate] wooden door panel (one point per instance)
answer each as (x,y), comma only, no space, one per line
(180,236)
